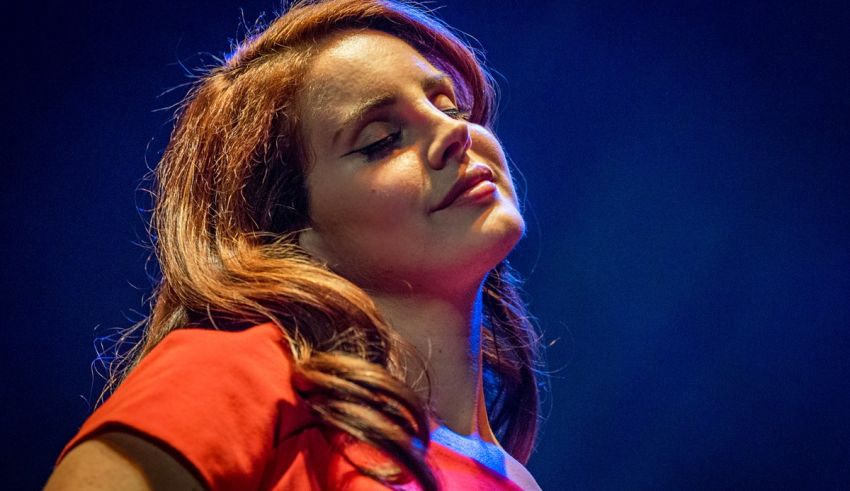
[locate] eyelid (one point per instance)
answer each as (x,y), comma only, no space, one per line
(452,112)
(380,147)
(392,134)
(445,89)
(457,113)
(448,92)
(387,126)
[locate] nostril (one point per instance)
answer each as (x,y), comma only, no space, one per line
(461,142)
(452,141)
(456,150)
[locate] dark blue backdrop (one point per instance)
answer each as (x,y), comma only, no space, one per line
(687,191)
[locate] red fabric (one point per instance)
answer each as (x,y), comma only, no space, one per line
(224,402)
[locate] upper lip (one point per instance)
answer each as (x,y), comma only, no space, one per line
(473,175)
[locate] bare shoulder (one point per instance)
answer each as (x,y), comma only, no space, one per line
(120,460)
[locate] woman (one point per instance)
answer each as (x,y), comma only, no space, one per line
(333,213)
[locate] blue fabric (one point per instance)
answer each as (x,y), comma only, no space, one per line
(485,453)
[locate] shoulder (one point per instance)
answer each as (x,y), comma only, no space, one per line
(204,352)
(209,362)
(192,346)
(121,460)
(238,371)
(221,400)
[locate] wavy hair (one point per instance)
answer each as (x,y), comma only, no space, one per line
(230,199)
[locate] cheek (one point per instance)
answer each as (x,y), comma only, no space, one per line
(393,193)
(384,196)
(487,145)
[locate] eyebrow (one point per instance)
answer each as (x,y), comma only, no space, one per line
(371,104)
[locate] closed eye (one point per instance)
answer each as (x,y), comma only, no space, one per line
(380,148)
(456,113)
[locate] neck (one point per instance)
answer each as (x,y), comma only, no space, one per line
(446,332)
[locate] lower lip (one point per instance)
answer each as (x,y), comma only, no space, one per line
(480,193)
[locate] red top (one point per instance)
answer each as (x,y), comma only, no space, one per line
(224,401)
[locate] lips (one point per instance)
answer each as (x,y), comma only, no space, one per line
(474,174)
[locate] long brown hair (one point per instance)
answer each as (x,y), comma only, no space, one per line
(230,199)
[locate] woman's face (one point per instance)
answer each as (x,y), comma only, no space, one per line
(390,151)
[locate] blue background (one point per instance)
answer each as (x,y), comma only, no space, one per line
(685,167)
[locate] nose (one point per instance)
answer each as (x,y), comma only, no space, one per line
(451,142)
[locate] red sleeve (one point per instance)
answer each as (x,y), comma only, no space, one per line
(221,400)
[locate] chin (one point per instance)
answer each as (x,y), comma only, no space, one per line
(495,238)
(506,234)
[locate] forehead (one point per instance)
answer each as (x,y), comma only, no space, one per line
(356,65)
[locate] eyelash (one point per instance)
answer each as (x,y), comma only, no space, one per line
(381,148)
(457,113)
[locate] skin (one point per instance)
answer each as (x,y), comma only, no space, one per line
(372,218)
(372,221)
(119,460)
